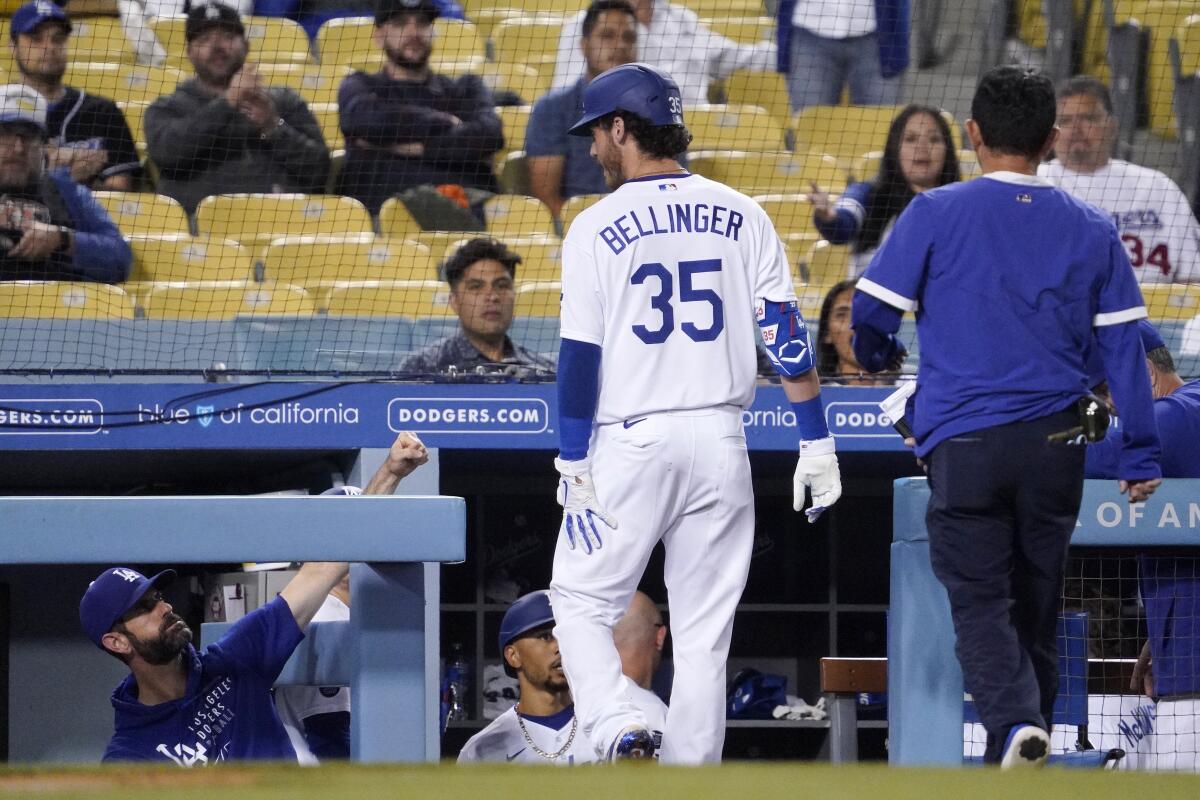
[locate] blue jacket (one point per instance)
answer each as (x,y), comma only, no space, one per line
(891,24)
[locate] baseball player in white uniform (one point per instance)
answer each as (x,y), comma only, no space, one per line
(542,727)
(1150,211)
(662,280)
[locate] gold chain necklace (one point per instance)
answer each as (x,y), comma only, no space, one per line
(529,739)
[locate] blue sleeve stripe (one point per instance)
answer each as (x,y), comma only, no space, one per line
(853,206)
(1117,317)
(885,294)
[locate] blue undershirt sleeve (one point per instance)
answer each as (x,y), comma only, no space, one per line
(875,324)
(578,395)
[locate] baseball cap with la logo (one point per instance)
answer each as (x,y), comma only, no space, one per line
(205,16)
(112,594)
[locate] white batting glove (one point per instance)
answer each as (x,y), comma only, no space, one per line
(577,496)
(817,470)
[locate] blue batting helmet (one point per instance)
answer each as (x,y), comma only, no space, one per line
(527,612)
(637,88)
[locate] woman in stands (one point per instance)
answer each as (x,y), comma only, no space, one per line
(919,155)
(835,354)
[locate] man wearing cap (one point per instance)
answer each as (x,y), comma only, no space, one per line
(223,132)
(560,165)
(406,126)
(197,708)
(51,228)
(541,728)
(88,135)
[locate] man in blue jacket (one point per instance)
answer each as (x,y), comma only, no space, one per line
(51,228)
(1010,279)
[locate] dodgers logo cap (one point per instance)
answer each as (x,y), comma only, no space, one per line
(112,594)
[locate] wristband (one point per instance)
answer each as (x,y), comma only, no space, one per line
(810,419)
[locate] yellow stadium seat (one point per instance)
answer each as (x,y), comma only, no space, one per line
(726,8)
(486,18)
(97,39)
(256,219)
(791,213)
(513,120)
(572,208)
(1031,23)
(225,300)
(526,82)
(746,30)
(769,173)
(541,256)
(439,242)
(827,263)
(135,117)
(272,40)
(315,84)
(532,41)
(178,257)
(123,83)
(538,299)
(866,166)
(797,246)
(138,212)
(396,221)
(63,300)
(456,41)
(509,215)
(843,131)
(347,42)
(763,89)
(389,299)
(1159,19)
(968,164)
(330,123)
(809,297)
(1172,302)
(716,127)
(320,260)
(1187,35)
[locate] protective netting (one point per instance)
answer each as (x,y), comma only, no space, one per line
(1119,607)
(292,185)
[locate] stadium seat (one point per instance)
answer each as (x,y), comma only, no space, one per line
(763,89)
(96,39)
(256,219)
(968,164)
(225,300)
(315,84)
(272,40)
(439,242)
(574,206)
(726,8)
(135,117)
(509,215)
(797,246)
(123,83)
(538,298)
(179,257)
(526,82)
(1156,20)
(827,263)
(1187,36)
(809,297)
(541,256)
(390,299)
(746,30)
(1171,302)
(532,41)
(456,42)
(347,42)
(769,173)
(749,128)
(63,300)
(512,172)
(866,166)
(791,213)
(513,120)
(846,132)
(323,260)
(395,220)
(142,212)
(331,126)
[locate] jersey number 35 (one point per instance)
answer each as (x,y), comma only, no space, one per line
(661,302)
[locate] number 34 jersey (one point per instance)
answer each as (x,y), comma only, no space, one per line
(1151,214)
(664,274)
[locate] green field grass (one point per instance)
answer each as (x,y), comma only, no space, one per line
(729,782)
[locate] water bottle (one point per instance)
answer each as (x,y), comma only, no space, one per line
(458,673)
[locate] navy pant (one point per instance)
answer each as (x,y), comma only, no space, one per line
(1003,506)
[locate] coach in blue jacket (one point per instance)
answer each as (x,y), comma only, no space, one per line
(1010,279)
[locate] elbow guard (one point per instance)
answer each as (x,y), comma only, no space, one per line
(785,337)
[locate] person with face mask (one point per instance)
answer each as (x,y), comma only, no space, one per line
(223,131)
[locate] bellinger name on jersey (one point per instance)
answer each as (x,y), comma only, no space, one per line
(671,218)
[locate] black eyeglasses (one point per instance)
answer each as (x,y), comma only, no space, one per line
(148,603)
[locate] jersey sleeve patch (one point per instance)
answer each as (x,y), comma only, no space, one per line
(885,294)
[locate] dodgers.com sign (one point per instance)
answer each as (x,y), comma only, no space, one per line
(51,417)
(468,415)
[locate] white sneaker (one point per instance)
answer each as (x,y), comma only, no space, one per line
(1026,746)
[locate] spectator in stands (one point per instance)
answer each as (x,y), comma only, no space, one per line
(1150,212)
(826,46)
(482,293)
(223,132)
(672,38)
(88,134)
(919,155)
(561,166)
(406,126)
(194,708)
(835,351)
(51,228)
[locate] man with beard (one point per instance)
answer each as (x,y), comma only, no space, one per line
(88,134)
(406,126)
(223,132)
(51,228)
(193,708)
(541,728)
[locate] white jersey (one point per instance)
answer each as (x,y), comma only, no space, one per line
(297,703)
(1150,212)
(664,275)
(504,739)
